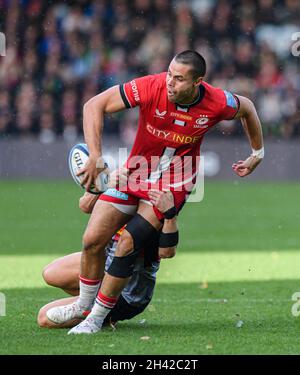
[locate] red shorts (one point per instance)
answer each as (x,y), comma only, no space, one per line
(129,198)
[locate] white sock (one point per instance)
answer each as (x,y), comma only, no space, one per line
(88,292)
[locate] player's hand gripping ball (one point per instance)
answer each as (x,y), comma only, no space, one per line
(78,156)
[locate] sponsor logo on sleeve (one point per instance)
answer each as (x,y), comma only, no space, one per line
(135,91)
(230,101)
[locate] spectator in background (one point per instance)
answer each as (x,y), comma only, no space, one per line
(59,55)
(26,108)
(47,127)
(69,115)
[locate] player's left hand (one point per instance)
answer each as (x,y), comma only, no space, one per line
(244,167)
(90,171)
(162,200)
(119,178)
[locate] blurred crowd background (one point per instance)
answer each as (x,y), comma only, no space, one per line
(61,53)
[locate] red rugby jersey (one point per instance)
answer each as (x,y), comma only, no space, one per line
(170,131)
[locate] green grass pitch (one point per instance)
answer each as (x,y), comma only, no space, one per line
(227,291)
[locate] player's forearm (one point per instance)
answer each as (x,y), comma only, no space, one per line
(170,226)
(252,127)
(93,115)
(168,239)
(253,130)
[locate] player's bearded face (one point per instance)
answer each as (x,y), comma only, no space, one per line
(181,87)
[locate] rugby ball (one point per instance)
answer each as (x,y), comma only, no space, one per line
(78,156)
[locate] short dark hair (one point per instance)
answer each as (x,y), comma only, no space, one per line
(194,59)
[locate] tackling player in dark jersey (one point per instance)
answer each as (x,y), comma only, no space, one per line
(64,272)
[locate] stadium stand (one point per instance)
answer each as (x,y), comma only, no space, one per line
(59,54)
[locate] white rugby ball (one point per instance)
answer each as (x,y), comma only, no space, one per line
(78,156)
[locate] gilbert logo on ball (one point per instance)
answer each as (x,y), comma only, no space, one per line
(78,156)
(2,44)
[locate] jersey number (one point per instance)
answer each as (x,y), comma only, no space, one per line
(163,165)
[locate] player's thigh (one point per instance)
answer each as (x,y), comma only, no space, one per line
(64,272)
(104,222)
(146,210)
(43,321)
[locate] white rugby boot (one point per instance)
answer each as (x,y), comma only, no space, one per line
(90,325)
(62,314)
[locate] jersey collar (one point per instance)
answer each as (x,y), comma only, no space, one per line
(195,102)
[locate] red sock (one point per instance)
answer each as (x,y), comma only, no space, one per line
(86,281)
(88,291)
(108,302)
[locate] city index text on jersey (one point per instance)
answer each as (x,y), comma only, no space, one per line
(171,136)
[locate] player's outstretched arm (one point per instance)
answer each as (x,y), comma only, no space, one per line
(109,101)
(164,202)
(252,126)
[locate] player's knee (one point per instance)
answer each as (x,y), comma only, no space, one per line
(167,252)
(125,244)
(92,243)
(138,231)
(49,275)
(54,276)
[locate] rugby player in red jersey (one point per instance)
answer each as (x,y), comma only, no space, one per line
(177,108)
